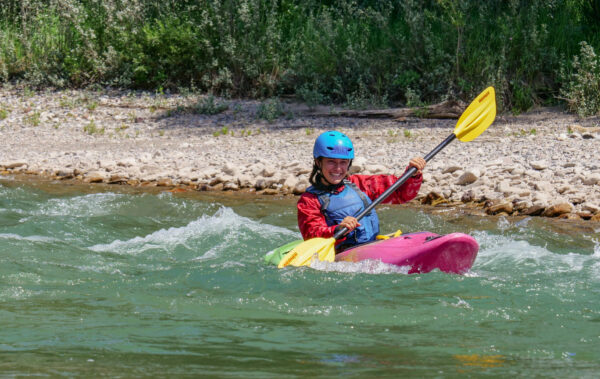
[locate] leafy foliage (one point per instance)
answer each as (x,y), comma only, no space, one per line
(582,82)
(363,53)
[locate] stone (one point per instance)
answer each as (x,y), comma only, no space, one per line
(451,169)
(358,165)
(127,162)
(231,186)
(468,177)
(543,186)
(375,169)
(300,187)
(591,179)
(433,198)
(557,210)
(267,172)
(117,179)
(230,170)
(569,216)
(585,215)
(467,197)
(94,177)
(539,165)
(12,165)
(502,207)
(590,207)
(291,181)
(164,182)
(534,210)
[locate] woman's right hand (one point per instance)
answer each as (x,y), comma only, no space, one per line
(349,223)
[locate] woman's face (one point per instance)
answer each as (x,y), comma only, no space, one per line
(334,170)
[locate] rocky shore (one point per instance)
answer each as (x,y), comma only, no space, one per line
(543,163)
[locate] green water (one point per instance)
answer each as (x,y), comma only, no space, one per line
(133,284)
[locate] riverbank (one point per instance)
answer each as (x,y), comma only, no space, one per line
(541,163)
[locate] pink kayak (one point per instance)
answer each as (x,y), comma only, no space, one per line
(422,252)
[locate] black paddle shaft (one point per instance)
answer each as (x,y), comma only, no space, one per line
(397,184)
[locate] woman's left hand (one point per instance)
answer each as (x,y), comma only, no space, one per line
(418,163)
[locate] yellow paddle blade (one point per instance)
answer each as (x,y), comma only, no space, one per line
(302,254)
(477,117)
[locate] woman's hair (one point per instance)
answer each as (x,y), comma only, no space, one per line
(316,176)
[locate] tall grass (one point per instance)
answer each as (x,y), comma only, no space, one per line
(353,51)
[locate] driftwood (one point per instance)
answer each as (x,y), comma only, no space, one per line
(445,109)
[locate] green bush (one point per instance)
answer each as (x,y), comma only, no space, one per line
(363,53)
(270,110)
(581,87)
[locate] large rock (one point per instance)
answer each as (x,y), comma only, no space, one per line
(95,177)
(468,177)
(591,179)
(534,210)
(539,165)
(450,169)
(375,169)
(230,169)
(300,187)
(544,186)
(12,165)
(557,210)
(502,207)
(358,165)
(590,207)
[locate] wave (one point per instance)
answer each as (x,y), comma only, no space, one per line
(214,234)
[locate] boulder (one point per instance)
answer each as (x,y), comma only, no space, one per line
(376,169)
(358,165)
(468,177)
(95,177)
(557,210)
(450,169)
(539,165)
(534,210)
(433,198)
(230,169)
(590,207)
(300,187)
(543,186)
(591,179)
(13,164)
(502,207)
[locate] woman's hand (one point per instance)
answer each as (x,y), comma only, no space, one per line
(349,223)
(418,163)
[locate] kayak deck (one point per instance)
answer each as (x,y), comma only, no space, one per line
(422,252)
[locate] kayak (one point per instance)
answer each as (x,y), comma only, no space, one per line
(421,252)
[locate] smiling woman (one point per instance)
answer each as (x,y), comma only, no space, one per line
(335,199)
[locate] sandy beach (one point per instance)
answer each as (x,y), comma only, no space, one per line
(543,163)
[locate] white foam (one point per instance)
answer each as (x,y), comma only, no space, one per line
(506,251)
(34,238)
(367,266)
(225,227)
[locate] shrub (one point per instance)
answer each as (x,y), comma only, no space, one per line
(581,87)
(270,110)
(210,106)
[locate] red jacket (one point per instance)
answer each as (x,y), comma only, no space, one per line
(312,222)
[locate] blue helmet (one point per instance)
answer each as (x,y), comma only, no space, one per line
(333,144)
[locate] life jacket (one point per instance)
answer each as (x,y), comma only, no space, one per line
(349,202)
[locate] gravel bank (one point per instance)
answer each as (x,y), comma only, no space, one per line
(541,163)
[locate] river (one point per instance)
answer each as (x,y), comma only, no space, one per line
(114,281)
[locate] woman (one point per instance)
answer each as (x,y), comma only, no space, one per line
(335,198)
